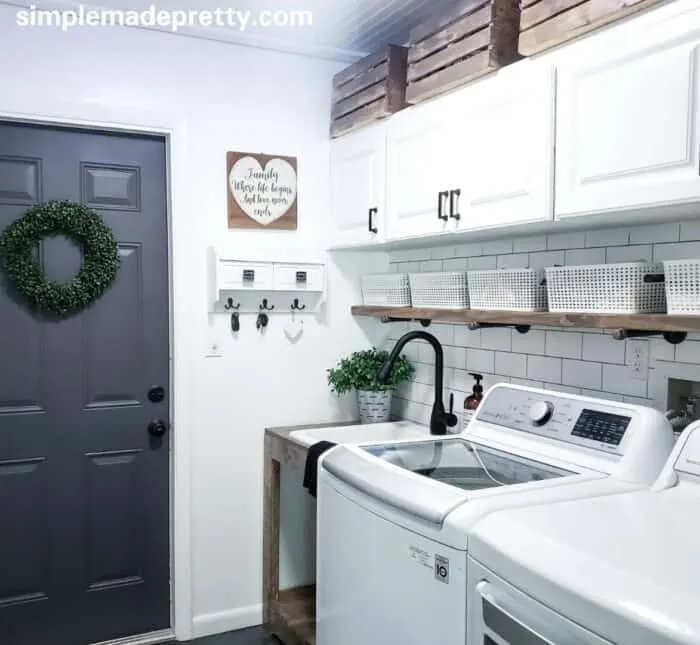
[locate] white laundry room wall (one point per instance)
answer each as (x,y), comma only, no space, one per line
(223,97)
(586,362)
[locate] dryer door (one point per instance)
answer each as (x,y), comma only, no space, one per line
(499,614)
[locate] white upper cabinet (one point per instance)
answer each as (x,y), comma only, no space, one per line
(358,188)
(607,127)
(628,121)
(503,154)
(418,147)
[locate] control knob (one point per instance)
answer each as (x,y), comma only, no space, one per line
(541,412)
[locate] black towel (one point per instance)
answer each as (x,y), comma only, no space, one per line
(311,466)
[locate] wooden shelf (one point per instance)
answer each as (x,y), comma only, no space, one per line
(293,617)
(673,328)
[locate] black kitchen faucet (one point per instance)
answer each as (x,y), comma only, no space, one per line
(439,419)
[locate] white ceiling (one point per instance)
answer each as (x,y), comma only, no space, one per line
(342,29)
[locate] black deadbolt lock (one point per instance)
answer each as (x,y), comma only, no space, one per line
(156,394)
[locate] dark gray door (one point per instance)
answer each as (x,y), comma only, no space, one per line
(84,487)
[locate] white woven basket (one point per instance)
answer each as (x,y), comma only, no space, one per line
(508,289)
(439,290)
(621,288)
(683,287)
(386,290)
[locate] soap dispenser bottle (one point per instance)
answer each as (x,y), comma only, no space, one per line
(471,403)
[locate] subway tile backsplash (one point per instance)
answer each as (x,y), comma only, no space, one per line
(586,362)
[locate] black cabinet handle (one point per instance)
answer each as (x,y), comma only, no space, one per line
(442,195)
(370,223)
(455,212)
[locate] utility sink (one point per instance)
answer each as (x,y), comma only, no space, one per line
(368,433)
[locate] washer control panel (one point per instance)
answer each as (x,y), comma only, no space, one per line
(600,425)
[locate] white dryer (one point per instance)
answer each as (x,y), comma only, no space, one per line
(617,570)
(393,519)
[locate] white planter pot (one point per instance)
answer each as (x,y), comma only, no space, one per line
(375,407)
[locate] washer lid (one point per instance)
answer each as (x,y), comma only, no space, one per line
(429,479)
(426,500)
(623,566)
(465,464)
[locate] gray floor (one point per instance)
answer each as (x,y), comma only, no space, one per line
(252,636)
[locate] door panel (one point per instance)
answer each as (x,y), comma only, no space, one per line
(628,121)
(87,556)
(23,535)
(508,130)
(116,378)
(21,343)
(358,183)
(115,187)
(112,484)
(19,179)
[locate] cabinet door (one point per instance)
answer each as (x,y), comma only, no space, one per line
(627,123)
(506,176)
(358,179)
(418,172)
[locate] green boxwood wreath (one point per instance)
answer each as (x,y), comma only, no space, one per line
(100,257)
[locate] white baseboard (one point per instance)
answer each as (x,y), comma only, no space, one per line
(226,621)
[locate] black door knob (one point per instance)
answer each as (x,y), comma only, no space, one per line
(157,428)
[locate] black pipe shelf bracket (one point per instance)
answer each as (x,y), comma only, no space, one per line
(425,322)
(521,329)
(673,337)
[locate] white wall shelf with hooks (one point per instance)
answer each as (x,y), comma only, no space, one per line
(277,281)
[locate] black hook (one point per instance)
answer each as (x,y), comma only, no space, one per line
(296,307)
(229,304)
(264,307)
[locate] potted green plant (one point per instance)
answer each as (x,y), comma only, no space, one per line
(360,372)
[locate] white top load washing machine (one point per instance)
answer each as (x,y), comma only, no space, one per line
(622,570)
(393,520)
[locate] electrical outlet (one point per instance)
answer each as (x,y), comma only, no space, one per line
(638,359)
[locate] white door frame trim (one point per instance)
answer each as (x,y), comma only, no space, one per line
(19,107)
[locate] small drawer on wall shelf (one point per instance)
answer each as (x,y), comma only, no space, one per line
(274,279)
(298,277)
(245,275)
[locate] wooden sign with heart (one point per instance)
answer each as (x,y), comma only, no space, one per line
(262,191)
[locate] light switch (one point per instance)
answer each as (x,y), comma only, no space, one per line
(213,350)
